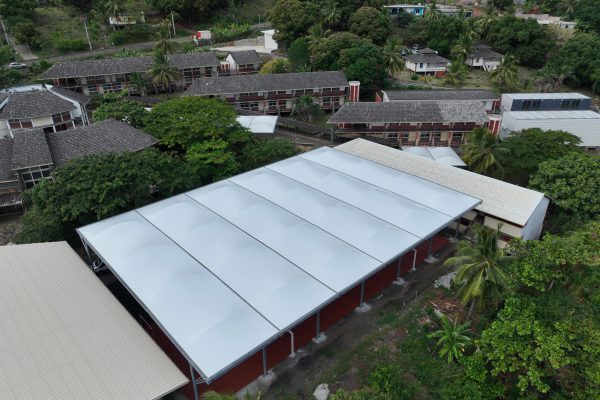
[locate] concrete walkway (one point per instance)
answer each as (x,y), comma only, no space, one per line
(22,50)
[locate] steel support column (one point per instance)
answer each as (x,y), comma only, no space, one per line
(430,246)
(318,323)
(264,360)
(414,267)
(194,384)
(362,293)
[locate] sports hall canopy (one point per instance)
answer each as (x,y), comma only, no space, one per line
(226,268)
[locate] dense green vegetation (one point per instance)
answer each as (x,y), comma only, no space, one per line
(200,142)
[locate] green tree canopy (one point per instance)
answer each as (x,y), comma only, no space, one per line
(327,52)
(292,18)
(527,40)
(182,122)
(530,147)
(95,187)
(443,33)
(483,154)
(581,55)
(122,110)
(212,160)
(371,23)
(298,53)
(364,63)
(276,66)
(572,182)
(266,151)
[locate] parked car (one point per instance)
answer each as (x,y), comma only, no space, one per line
(16,65)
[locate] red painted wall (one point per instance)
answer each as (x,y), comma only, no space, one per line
(340,307)
(381,280)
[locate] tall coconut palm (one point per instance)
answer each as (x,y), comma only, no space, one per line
(479,264)
(316,34)
(114,7)
(331,13)
(568,7)
(506,75)
(164,45)
(305,108)
(483,23)
(463,48)
(140,83)
(161,72)
(483,153)
(456,74)
(453,338)
(392,55)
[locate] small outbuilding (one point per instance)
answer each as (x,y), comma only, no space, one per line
(261,125)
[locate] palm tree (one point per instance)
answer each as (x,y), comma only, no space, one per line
(305,108)
(161,72)
(568,7)
(595,79)
(304,68)
(114,7)
(456,74)
(392,55)
(479,264)
(452,338)
(164,45)
(140,83)
(463,48)
(505,76)
(484,22)
(331,13)
(483,153)
(316,34)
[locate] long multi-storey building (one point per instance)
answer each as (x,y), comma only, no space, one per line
(417,123)
(489,99)
(273,94)
(113,75)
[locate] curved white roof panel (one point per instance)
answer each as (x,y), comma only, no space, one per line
(227,267)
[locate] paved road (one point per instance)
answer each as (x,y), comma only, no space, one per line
(107,50)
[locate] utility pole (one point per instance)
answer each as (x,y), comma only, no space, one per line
(4,30)
(173,22)
(87,33)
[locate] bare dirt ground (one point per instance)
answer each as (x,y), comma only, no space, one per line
(9,226)
(340,360)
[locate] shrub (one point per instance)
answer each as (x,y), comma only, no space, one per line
(6,54)
(230,32)
(68,45)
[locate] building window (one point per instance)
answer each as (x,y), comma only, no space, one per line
(20,123)
(60,118)
(570,104)
(531,104)
(272,104)
(92,89)
(420,65)
(32,176)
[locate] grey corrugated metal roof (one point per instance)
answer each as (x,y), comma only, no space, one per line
(34,103)
(108,136)
(251,83)
(245,57)
(503,200)
(543,96)
(417,111)
(458,94)
(76,96)
(109,66)
(571,114)
(64,336)
(30,148)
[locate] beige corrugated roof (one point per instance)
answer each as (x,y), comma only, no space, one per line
(64,336)
(503,200)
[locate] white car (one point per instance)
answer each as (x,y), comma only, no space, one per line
(16,65)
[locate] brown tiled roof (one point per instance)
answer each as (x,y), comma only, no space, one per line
(110,66)
(262,83)
(30,149)
(108,136)
(34,103)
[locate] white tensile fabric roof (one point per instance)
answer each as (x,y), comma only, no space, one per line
(259,124)
(443,154)
(64,336)
(229,266)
